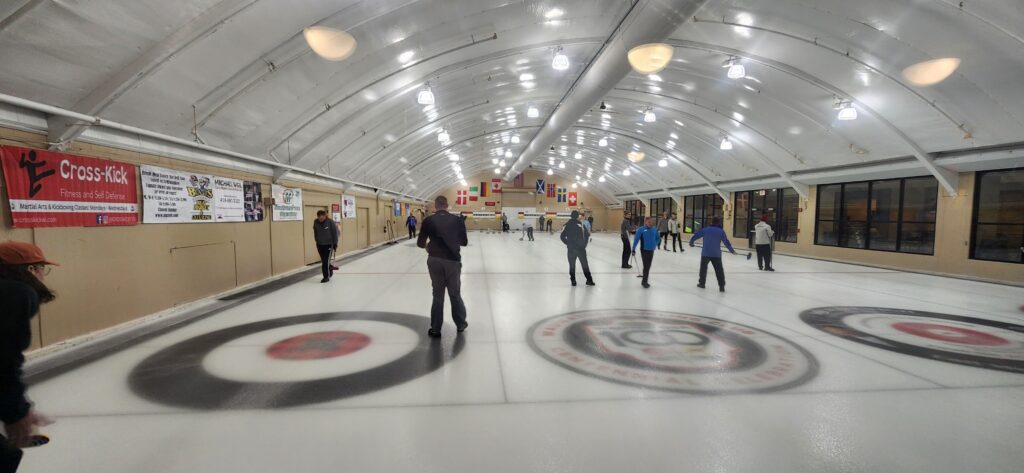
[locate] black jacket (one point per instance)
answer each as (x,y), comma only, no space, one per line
(446,232)
(575,235)
(326,232)
(18,304)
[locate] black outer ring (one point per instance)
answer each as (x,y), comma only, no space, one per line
(175,375)
(830,320)
(812,362)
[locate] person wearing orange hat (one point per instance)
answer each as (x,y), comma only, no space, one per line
(23,270)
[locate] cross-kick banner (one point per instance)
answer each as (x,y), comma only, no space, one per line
(49,189)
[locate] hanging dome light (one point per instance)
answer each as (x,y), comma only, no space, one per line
(650,58)
(494,161)
(551,172)
(561,165)
(726,144)
(560,62)
(501,163)
(426,96)
(736,70)
(453,157)
(846,111)
(602,142)
(532,112)
(459,175)
(574,185)
(578,155)
(329,43)
(600,179)
(508,153)
(497,170)
(463,182)
(584,183)
(443,136)
(515,139)
(663,163)
(649,116)
(626,172)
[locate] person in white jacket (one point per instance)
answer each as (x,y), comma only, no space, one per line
(763,234)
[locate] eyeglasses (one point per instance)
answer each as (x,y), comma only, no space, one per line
(40,268)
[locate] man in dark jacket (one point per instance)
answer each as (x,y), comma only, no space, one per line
(575,236)
(624,230)
(711,253)
(411,223)
(325,232)
(22,271)
(443,235)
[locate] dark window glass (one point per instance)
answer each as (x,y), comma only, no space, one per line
(889,215)
(854,222)
(918,237)
(789,216)
(920,197)
(828,201)
(998,226)
(827,234)
(739,226)
(885,202)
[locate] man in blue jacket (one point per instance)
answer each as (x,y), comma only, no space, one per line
(651,238)
(713,237)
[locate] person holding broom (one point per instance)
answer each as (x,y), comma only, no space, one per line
(711,253)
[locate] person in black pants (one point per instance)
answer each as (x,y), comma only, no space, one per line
(325,232)
(624,230)
(443,235)
(714,237)
(23,269)
(411,223)
(651,239)
(673,229)
(575,236)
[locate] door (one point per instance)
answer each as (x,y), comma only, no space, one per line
(308,215)
(363,223)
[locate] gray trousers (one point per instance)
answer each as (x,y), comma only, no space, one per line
(446,274)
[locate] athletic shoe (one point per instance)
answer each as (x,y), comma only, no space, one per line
(324,280)
(434,333)
(574,283)
(721,289)
(700,286)
(628,266)
(645,285)
(462,328)
(770,269)
(591,283)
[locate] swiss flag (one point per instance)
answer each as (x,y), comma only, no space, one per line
(572,199)
(461,198)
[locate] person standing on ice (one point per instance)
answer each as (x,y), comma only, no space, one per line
(443,235)
(575,236)
(651,239)
(711,253)
(763,234)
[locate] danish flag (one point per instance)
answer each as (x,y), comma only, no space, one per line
(461,198)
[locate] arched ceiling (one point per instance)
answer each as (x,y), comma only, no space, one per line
(238,75)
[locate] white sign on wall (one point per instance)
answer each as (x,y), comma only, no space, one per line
(348,207)
(287,204)
(229,200)
(171,196)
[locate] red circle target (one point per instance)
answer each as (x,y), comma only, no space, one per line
(318,346)
(946,333)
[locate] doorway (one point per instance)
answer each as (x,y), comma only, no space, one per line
(363,227)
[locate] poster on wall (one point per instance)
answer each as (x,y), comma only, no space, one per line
(48,189)
(253,201)
(348,207)
(287,204)
(336,212)
(228,200)
(171,196)
(398,207)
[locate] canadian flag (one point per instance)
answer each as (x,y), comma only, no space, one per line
(461,198)
(572,199)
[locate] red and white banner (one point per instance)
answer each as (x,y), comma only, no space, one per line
(572,199)
(461,198)
(496,185)
(50,189)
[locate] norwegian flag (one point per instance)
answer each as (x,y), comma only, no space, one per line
(461,197)
(551,190)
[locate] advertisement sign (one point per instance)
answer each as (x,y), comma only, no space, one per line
(348,207)
(287,204)
(228,200)
(483,214)
(336,212)
(253,201)
(171,196)
(48,189)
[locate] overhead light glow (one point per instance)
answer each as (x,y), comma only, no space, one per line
(574,185)
(726,144)
(931,72)
(578,155)
(650,58)
(529,84)
(736,71)
(443,136)
(584,183)
(635,156)
(551,172)
(561,165)
(554,13)
(663,163)
(601,179)
(532,112)
(515,139)
(626,172)
(560,62)
(329,43)
(649,116)
(501,163)
(746,20)
(406,56)
(508,153)
(602,142)
(654,77)
(525,77)
(848,112)
(463,182)
(453,157)
(494,161)
(497,171)
(426,96)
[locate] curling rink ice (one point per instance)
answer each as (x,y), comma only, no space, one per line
(818,367)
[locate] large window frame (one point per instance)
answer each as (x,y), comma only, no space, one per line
(661,205)
(862,238)
(637,209)
(743,224)
(698,210)
(976,220)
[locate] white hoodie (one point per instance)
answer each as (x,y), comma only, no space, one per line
(763,233)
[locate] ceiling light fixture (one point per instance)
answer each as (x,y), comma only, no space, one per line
(426,96)
(736,70)
(443,136)
(603,106)
(501,163)
(494,161)
(561,165)
(626,172)
(574,185)
(554,13)
(602,142)
(649,116)
(497,170)
(635,156)
(601,179)
(329,43)
(463,182)
(508,153)
(663,163)
(551,172)
(406,56)
(650,58)
(515,139)
(578,155)
(560,62)
(532,112)
(845,108)
(931,72)
(525,77)
(453,157)
(726,144)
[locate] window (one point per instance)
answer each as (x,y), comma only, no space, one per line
(997,232)
(781,205)
(890,215)
(636,209)
(699,209)
(661,206)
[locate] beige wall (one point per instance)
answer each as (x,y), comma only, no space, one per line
(513,197)
(112,275)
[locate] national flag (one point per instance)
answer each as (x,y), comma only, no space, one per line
(551,190)
(485,190)
(474,191)
(519,181)
(572,199)
(473,198)
(540,186)
(461,197)
(561,194)
(496,185)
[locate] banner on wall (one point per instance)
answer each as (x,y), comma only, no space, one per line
(348,207)
(483,214)
(287,203)
(572,199)
(171,196)
(336,212)
(398,207)
(49,189)
(228,200)
(253,201)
